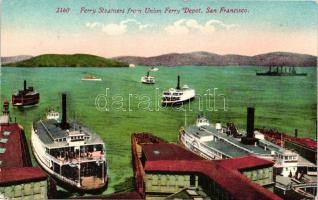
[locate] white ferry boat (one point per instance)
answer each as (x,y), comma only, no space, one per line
(70,153)
(178,95)
(216,142)
(148,79)
(154,69)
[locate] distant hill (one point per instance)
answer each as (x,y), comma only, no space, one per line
(13,59)
(62,60)
(211,59)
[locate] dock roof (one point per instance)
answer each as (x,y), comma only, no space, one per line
(228,178)
(21,175)
(166,151)
(306,142)
(15,161)
(13,148)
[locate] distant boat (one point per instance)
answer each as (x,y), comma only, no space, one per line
(26,97)
(281,71)
(154,69)
(132,66)
(148,79)
(91,78)
(178,95)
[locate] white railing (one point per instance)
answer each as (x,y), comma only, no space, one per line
(77,159)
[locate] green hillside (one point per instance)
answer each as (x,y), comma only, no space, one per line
(61,60)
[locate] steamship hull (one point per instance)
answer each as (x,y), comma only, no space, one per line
(46,162)
(169,102)
(27,100)
(279,74)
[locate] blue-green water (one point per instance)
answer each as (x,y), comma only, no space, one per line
(284,103)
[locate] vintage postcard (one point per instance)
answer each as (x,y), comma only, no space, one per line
(158,99)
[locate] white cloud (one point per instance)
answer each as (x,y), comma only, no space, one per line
(92,25)
(185,26)
(118,29)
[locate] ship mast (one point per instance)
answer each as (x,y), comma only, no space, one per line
(185,118)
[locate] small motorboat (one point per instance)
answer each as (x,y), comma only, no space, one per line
(91,78)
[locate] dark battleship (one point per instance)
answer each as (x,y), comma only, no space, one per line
(281,71)
(26,97)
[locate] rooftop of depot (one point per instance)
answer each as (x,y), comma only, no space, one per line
(164,151)
(171,158)
(15,161)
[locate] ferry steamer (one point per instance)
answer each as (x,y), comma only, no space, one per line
(69,152)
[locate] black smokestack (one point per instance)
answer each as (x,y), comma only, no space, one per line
(250,122)
(249,139)
(64,124)
(147,73)
(24,85)
(296,133)
(178,84)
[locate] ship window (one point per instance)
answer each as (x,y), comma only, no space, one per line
(6,133)
(2,150)
(64,139)
(3,140)
(192,180)
(156,152)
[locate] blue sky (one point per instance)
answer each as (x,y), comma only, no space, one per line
(31,17)
(267,14)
